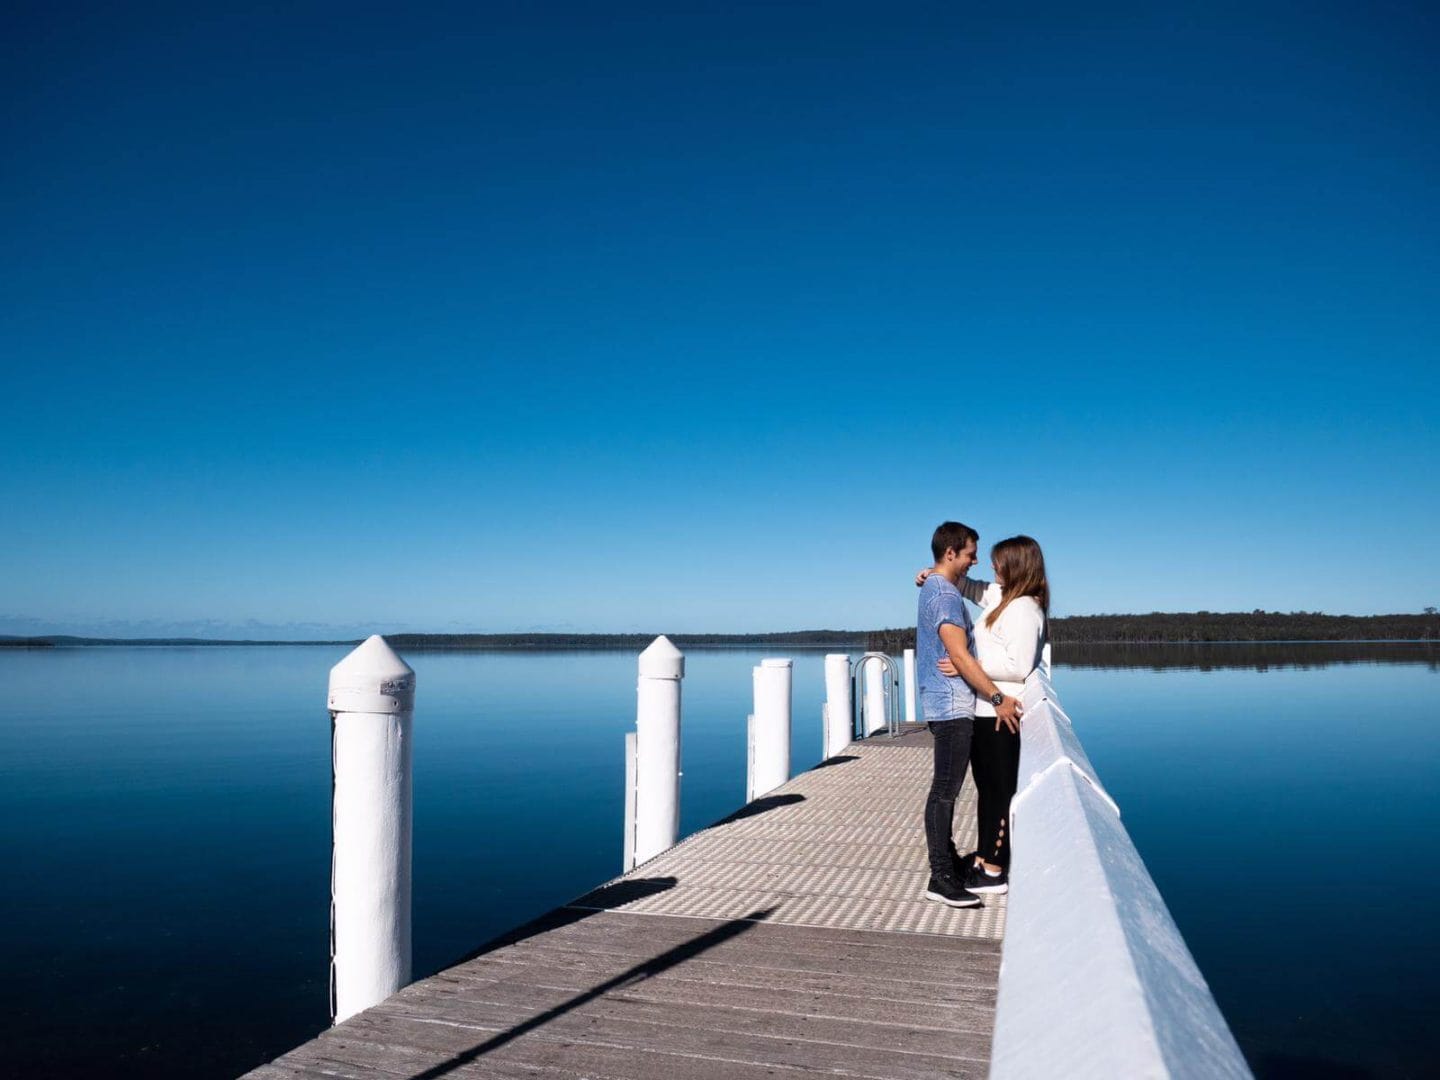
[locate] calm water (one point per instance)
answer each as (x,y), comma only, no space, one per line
(165,823)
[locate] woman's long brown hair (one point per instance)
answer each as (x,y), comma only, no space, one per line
(1022,567)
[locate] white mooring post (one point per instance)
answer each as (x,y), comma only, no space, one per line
(874,677)
(652,800)
(909,686)
(836,712)
(371,702)
(770,728)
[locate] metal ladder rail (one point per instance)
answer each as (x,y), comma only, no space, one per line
(891,676)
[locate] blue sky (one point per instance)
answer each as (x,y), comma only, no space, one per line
(497,317)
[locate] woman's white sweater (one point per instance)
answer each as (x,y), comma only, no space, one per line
(1010,650)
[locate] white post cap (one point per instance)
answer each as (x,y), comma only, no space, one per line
(372,679)
(662,660)
(776,663)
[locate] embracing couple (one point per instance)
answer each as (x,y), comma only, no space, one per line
(969,676)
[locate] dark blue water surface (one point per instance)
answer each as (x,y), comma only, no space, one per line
(165,825)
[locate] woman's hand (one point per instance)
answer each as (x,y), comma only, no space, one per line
(921,576)
(946,667)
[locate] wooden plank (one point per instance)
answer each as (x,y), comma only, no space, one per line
(444,1044)
(844,964)
(870,955)
(649,932)
(578,969)
(853,1022)
(588,1059)
(843,952)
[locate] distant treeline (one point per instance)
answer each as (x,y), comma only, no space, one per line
(818,638)
(619,641)
(1156,628)
(1255,656)
(1199,626)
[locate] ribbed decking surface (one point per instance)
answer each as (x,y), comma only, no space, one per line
(789,940)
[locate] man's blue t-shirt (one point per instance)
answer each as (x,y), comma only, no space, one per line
(941,697)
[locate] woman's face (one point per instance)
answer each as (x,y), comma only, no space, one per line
(999,578)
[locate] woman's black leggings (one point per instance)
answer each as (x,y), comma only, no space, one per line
(995,764)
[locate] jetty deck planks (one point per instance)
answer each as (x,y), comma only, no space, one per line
(789,940)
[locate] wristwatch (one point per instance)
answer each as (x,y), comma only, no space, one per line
(996,698)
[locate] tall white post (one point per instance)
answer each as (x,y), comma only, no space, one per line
(657,750)
(873,676)
(770,727)
(372,707)
(837,704)
(909,686)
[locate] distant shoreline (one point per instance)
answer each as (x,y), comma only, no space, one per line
(1156,628)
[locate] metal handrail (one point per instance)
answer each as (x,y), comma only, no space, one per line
(892,695)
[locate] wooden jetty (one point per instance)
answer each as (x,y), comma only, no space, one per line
(791,939)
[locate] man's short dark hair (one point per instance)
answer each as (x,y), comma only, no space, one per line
(951,534)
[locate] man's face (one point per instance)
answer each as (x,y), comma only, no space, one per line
(965,558)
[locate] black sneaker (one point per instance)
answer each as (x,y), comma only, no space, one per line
(980,880)
(962,863)
(947,891)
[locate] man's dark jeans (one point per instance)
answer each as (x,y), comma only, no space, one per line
(952,755)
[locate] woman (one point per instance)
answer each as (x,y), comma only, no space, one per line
(1009,638)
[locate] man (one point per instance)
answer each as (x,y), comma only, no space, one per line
(947,703)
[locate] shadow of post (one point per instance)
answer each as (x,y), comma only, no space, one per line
(759,806)
(613,895)
(654,966)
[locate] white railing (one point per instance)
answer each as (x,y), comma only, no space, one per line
(1095,979)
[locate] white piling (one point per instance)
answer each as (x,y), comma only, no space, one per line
(657,751)
(837,732)
(909,686)
(770,728)
(628,858)
(873,677)
(371,702)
